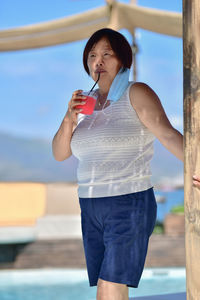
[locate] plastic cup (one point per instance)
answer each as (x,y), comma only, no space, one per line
(88,107)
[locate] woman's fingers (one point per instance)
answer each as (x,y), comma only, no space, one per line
(75,103)
(78,110)
(77,99)
(76,92)
(196,180)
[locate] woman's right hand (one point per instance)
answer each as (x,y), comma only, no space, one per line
(72,112)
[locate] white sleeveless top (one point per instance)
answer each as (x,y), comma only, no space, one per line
(114,151)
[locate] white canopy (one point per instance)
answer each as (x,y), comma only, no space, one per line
(114,15)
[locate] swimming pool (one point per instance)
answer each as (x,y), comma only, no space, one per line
(68,284)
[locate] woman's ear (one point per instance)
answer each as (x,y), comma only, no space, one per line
(121,68)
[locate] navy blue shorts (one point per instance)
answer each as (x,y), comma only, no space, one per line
(116,233)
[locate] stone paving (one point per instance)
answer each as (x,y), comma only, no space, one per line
(178,296)
(55,241)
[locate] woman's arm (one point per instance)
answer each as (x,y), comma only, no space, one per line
(61,141)
(151,113)
(61,144)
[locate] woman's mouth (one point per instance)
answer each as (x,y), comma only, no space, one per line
(100,71)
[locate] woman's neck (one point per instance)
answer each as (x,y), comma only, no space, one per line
(101,100)
(104,88)
(102,95)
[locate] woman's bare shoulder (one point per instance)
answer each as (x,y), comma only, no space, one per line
(138,86)
(141,94)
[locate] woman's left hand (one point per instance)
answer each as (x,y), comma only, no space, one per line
(196,180)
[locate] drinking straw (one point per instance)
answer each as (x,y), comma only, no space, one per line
(95,83)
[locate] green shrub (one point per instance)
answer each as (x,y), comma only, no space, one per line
(159,228)
(179,209)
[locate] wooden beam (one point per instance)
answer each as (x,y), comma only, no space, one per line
(66,23)
(155,20)
(80,26)
(134,47)
(191,70)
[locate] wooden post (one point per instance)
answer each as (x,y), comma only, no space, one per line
(191,62)
(134,48)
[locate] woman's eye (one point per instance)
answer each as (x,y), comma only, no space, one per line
(106,53)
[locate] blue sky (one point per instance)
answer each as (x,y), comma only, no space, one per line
(36,85)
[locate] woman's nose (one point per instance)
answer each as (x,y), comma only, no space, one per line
(99,61)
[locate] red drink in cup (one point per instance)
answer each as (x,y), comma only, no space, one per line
(88,107)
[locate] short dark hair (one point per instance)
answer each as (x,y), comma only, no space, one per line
(118,43)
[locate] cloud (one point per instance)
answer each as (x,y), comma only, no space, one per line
(138,35)
(31,68)
(19,69)
(176,121)
(166,182)
(43,109)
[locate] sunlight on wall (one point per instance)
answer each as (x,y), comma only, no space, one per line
(21,203)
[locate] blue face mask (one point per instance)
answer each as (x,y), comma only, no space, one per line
(119,85)
(117,89)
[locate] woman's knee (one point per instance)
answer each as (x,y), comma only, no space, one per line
(107,290)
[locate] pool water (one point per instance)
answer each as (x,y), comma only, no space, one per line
(68,284)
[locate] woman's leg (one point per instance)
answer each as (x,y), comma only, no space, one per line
(107,290)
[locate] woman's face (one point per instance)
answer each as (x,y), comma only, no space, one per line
(102,58)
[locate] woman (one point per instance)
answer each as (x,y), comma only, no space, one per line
(118,206)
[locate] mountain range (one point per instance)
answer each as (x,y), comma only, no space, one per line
(31,159)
